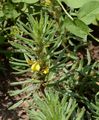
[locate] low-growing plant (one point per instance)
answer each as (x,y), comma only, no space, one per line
(39,49)
(54,108)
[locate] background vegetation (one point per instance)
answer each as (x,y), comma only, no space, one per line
(54,44)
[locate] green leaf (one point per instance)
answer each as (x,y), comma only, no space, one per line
(10,11)
(16,92)
(77,27)
(21,47)
(18,60)
(16,105)
(1,13)
(81,62)
(70,108)
(80,114)
(19,64)
(18,71)
(25,1)
(88,12)
(76,3)
(22,82)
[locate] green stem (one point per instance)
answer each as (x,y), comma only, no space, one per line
(65,10)
(93,37)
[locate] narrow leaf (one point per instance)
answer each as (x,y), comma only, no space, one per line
(16,105)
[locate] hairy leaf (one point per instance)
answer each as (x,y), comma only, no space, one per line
(77,27)
(76,3)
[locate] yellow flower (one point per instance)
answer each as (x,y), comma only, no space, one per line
(14,30)
(35,66)
(47,2)
(46,70)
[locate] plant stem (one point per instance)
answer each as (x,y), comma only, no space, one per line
(65,10)
(93,37)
